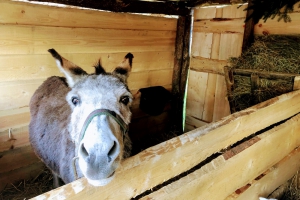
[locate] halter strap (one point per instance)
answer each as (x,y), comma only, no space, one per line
(98,112)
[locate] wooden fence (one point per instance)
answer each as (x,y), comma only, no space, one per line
(83,36)
(236,166)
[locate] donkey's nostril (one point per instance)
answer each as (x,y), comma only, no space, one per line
(112,152)
(84,151)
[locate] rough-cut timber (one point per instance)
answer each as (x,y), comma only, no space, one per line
(152,166)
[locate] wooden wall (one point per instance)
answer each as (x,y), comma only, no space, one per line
(27,31)
(217,35)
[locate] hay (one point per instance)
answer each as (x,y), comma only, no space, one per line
(28,188)
(268,54)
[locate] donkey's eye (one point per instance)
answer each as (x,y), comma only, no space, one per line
(75,101)
(125,100)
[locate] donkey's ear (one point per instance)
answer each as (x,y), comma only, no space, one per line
(124,67)
(72,72)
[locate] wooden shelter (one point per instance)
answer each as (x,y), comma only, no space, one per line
(220,155)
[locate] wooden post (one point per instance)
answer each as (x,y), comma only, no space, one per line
(228,72)
(254,88)
(180,71)
(249,29)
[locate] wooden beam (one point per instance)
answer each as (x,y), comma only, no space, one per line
(267,75)
(152,166)
(211,181)
(157,7)
(271,179)
(249,29)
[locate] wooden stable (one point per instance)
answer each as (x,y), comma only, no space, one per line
(228,159)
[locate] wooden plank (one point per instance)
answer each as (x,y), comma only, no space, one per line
(208,65)
(202,44)
(41,15)
(230,45)
(220,26)
(14,138)
(209,100)
(196,93)
(17,39)
(25,173)
(153,165)
(204,13)
(272,26)
(219,171)
(234,11)
(17,158)
(29,67)
(221,106)
(266,183)
(16,94)
(192,123)
(296,85)
(215,46)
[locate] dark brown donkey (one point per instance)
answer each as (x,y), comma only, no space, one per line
(79,123)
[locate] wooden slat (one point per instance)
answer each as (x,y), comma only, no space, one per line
(234,11)
(29,67)
(215,46)
(196,94)
(209,100)
(202,44)
(204,13)
(41,15)
(274,177)
(211,182)
(17,158)
(230,45)
(220,26)
(16,94)
(192,123)
(221,106)
(17,138)
(272,26)
(17,39)
(208,65)
(153,165)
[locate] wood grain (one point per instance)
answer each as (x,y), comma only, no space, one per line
(153,165)
(42,15)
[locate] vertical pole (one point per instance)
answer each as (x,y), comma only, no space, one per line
(249,29)
(180,71)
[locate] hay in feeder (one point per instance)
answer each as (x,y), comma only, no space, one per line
(271,53)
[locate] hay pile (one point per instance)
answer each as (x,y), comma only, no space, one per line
(271,53)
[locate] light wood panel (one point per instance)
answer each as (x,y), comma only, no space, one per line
(40,66)
(17,39)
(220,26)
(221,106)
(153,165)
(196,93)
(202,44)
(270,180)
(208,65)
(209,100)
(272,26)
(41,15)
(14,138)
(230,45)
(211,181)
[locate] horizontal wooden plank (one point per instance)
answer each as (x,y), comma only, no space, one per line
(234,11)
(220,26)
(200,64)
(29,67)
(25,173)
(274,177)
(17,39)
(42,15)
(272,26)
(152,166)
(211,181)
(14,138)
(192,123)
(16,94)
(17,158)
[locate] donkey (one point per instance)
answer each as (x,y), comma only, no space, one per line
(79,123)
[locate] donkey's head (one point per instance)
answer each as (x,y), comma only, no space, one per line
(100,105)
